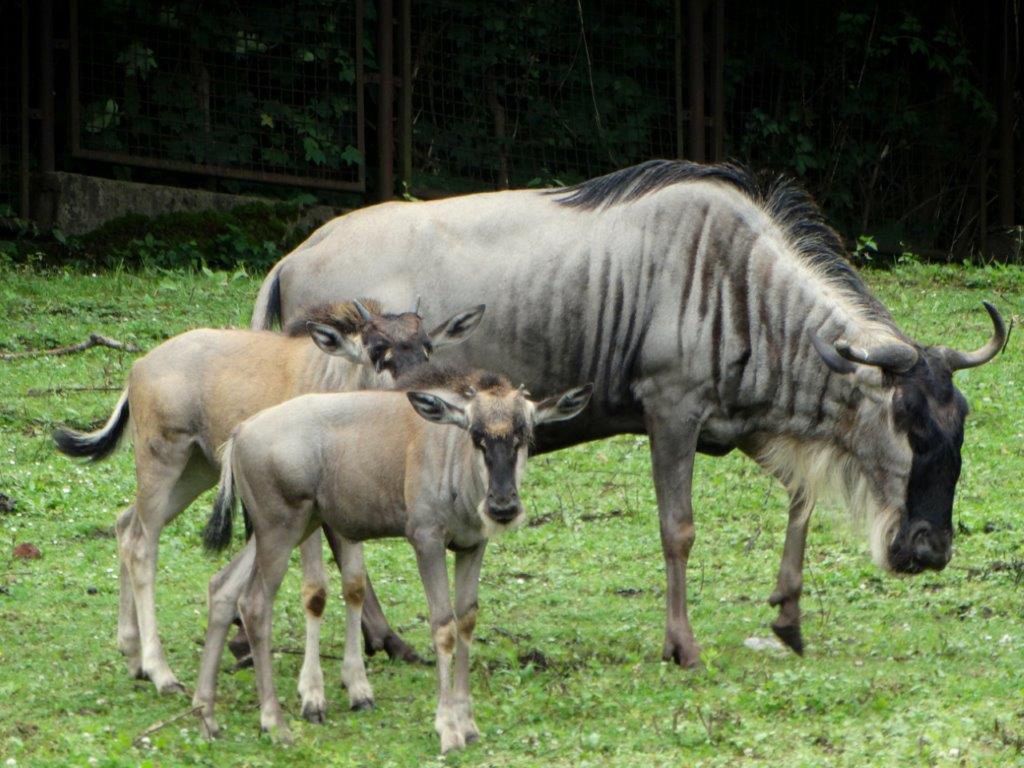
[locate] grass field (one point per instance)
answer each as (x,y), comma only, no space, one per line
(566,670)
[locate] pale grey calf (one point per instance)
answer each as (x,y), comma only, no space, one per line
(183,399)
(369,467)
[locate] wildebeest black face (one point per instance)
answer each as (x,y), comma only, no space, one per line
(930,411)
(500,422)
(395,343)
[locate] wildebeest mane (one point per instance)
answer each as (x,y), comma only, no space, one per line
(789,206)
(343,315)
(453,377)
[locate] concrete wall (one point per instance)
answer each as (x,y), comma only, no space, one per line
(76,204)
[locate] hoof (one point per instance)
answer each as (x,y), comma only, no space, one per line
(243,663)
(314,713)
(208,728)
(397,649)
(471,734)
(279,734)
(685,657)
(239,647)
(362,705)
(451,740)
(138,673)
(172,688)
(791,636)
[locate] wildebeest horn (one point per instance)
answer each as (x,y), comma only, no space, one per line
(364,313)
(959,360)
(894,356)
(416,311)
(832,359)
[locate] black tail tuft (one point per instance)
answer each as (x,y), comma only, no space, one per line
(96,445)
(248,522)
(217,534)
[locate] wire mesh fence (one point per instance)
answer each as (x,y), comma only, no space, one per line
(268,91)
(514,94)
(10,109)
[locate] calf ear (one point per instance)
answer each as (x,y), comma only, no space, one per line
(334,342)
(437,409)
(458,327)
(563,406)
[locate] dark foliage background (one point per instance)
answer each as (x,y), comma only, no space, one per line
(887,112)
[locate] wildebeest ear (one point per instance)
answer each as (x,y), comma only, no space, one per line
(563,406)
(458,327)
(437,409)
(334,342)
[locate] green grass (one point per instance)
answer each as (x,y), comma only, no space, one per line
(567,669)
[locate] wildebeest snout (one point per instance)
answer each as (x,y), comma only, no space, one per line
(921,546)
(503,507)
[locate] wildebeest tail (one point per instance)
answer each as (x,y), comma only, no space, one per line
(217,534)
(99,444)
(267,310)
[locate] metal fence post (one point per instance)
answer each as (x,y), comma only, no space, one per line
(695,41)
(385,103)
(24,211)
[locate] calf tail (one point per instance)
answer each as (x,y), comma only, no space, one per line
(217,534)
(267,309)
(99,444)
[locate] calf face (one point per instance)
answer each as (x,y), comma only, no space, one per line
(500,423)
(395,343)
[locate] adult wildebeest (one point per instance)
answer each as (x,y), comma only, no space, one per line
(185,396)
(711,313)
(368,466)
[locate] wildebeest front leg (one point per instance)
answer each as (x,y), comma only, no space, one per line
(673,446)
(790,582)
(467,581)
(353,670)
(430,557)
(314,598)
(377,633)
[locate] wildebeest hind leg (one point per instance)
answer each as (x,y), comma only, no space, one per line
(673,446)
(790,580)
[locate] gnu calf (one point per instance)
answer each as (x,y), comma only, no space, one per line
(184,398)
(444,474)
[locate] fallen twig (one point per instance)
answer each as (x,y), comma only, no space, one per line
(94,340)
(137,741)
(39,392)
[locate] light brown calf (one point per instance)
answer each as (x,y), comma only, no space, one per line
(184,398)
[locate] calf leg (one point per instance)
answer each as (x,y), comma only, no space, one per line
(353,670)
(673,446)
(377,633)
(256,608)
(314,598)
(225,589)
(163,493)
(430,557)
(790,581)
(127,619)
(467,581)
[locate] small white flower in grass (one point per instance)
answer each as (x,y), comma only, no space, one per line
(11,761)
(1005,640)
